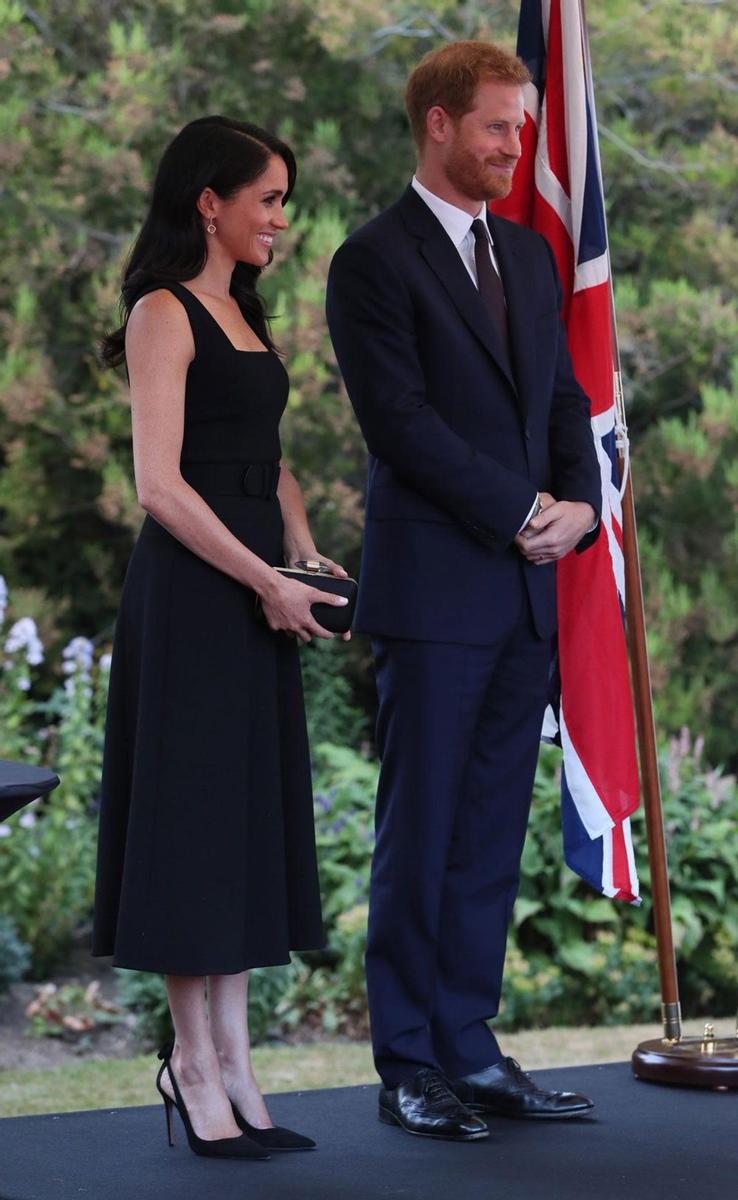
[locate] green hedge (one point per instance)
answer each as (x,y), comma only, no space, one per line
(573,958)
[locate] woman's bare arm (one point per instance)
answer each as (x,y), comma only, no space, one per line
(159,349)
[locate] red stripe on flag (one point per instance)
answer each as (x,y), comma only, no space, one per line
(620,865)
(595,682)
(518,206)
(589,333)
(556,99)
(548,222)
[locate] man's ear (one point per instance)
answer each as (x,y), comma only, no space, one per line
(437,124)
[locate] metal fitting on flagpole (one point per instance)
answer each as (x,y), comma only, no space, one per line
(671,1015)
(622,441)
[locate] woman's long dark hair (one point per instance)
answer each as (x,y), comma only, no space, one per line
(211,152)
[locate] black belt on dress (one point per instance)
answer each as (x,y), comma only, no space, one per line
(257,480)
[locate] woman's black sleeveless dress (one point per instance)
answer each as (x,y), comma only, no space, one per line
(206,856)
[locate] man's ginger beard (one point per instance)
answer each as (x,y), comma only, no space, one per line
(475,179)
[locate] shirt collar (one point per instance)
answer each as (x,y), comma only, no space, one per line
(455,221)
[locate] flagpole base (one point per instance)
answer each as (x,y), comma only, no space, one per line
(705,1062)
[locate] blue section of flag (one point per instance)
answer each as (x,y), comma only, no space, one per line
(531,42)
(592,235)
(583,854)
(610,447)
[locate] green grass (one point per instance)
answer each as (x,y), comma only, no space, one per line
(118,1083)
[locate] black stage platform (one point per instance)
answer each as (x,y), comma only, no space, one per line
(645,1143)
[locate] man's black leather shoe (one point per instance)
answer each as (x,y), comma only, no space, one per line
(506,1091)
(426,1106)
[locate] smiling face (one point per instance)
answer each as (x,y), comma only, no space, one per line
(478,151)
(248,222)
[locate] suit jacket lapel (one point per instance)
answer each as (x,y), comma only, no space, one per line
(443,258)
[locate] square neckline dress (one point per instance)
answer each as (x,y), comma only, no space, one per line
(206,851)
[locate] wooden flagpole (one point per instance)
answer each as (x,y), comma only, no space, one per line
(647,753)
(707,1061)
(635,619)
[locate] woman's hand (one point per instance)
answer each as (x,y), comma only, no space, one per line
(286,606)
(335,569)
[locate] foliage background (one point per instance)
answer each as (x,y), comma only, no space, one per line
(89,95)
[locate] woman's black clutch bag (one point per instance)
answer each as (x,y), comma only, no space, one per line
(335,618)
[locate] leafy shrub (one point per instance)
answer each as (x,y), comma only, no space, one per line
(573,957)
(607,949)
(331,713)
(47,851)
(47,877)
(533,986)
(344,786)
(144,993)
(71,1012)
(332,996)
(14,956)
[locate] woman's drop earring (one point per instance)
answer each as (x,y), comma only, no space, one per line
(211,227)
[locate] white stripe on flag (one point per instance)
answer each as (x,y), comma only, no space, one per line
(630,854)
(531,101)
(575,114)
(607,882)
(604,422)
(545,20)
(592,812)
(612,509)
(609,497)
(592,273)
(547,183)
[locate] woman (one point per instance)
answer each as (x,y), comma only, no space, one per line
(206,861)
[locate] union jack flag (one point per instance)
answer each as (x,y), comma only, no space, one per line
(557,190)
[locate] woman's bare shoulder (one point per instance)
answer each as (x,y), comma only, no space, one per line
(160,315)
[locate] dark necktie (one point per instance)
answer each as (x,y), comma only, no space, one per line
(489,283)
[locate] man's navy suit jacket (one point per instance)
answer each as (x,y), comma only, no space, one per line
(459,445)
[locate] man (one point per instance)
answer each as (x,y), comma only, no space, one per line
(482,474)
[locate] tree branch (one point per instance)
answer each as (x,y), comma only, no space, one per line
(651,164)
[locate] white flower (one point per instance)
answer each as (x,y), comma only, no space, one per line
(77,655)
(16,638)
(74,686)
(24,683)
(105,661)
(28,820)
(23,635)
(34,851)
(3,598)
(5,831)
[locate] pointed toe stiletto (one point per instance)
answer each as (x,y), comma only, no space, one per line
(274,1137)
(232,1147)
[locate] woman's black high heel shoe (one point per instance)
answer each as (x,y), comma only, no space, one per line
(275,1137)
(234,1147)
